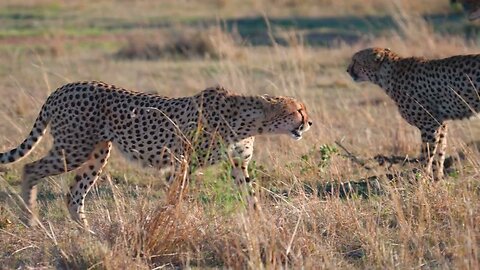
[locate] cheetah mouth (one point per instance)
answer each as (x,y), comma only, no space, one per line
(354,76)
(296,134)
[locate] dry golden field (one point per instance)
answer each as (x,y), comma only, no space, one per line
(321,208)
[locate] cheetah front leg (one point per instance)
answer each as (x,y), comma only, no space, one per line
(57,161)
(441,152)
(434,145)
(240,155)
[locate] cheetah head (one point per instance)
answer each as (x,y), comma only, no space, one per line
(284,115)
(366,64)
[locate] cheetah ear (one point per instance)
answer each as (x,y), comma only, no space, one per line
(266,100)
(379,57)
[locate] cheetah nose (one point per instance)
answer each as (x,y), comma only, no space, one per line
(310,123)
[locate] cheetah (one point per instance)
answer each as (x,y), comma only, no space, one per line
(87,118)
(426,92)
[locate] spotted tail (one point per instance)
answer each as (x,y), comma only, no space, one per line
(31,141)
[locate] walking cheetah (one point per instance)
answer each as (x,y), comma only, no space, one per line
(427,93)
(86,118)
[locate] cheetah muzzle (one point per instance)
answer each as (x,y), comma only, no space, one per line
(298,132)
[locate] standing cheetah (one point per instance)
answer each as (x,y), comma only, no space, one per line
(427,92)
(86,118)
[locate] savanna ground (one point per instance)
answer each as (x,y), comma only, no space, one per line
(297,48)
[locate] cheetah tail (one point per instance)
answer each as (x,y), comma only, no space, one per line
(38,130)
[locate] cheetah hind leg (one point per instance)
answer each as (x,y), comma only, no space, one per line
(52,164)
(85,178)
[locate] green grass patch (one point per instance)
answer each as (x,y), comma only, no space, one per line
(41,31)
(217,191)
(37,12)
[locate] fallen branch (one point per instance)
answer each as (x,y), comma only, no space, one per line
(353,157)
(381,159)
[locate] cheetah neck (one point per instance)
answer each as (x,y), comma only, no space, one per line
(383,77)
(253,123)
(394,72)
(246,118)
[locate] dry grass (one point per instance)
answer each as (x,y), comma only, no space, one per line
(182,43)
(139,223)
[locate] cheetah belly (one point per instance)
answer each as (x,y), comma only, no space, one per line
(150,138)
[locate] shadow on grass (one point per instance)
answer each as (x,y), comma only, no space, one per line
(375,185)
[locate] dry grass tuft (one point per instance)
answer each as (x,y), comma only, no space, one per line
(210,43)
